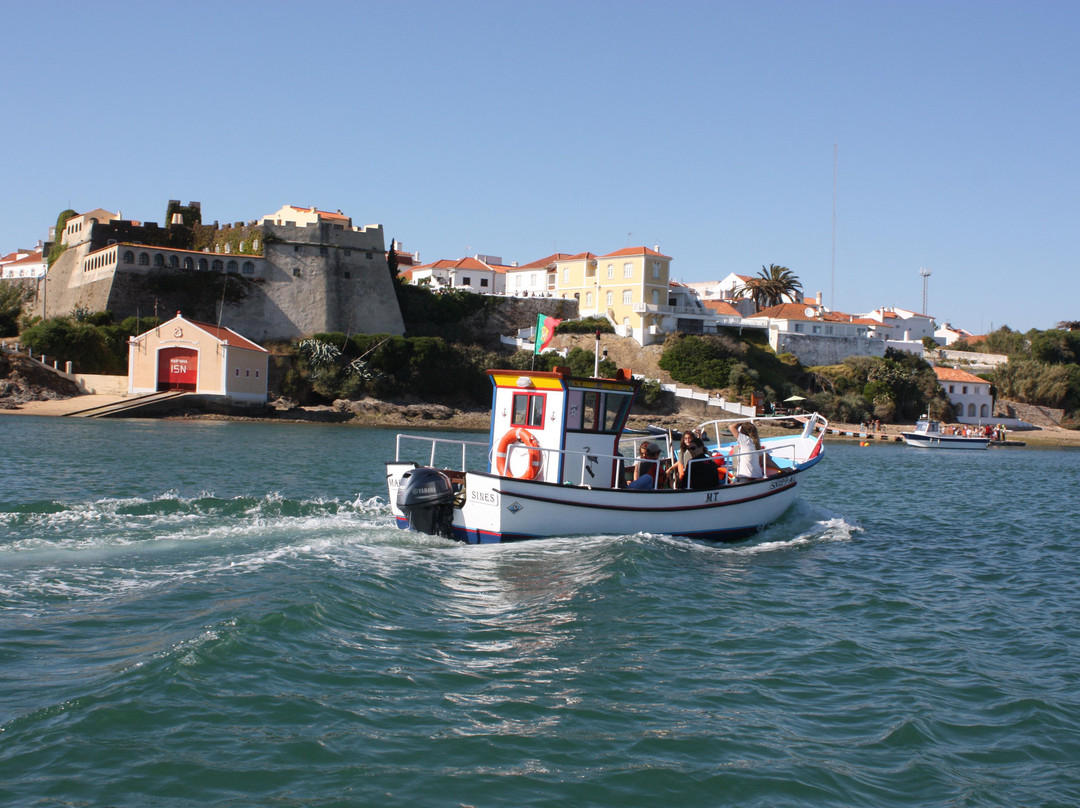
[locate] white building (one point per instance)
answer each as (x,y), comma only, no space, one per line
(23,265)
(468,274)
(816,336)
(969,395)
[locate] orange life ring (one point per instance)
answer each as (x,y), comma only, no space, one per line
(519,435)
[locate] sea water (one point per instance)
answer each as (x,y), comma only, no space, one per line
(224,614)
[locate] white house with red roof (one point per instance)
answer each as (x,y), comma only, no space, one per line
(902,328)
(817,336)
(482,274)
(536,279)
(23,265)
(971,397)
(195,357)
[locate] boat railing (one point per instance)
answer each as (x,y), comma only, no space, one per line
(810,421)
(436,443)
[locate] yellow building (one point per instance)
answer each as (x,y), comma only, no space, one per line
(196,357)
(628,286)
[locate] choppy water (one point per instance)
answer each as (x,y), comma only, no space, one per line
(223,614)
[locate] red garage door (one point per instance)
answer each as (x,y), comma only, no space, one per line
(178,369)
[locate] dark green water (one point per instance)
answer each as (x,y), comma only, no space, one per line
(223,614)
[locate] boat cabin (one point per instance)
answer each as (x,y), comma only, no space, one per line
(927,426)
(553,427)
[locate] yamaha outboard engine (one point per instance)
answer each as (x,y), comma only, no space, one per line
(426,497)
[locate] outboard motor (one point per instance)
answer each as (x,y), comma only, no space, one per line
(426,497)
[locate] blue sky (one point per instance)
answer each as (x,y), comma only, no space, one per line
(519,129)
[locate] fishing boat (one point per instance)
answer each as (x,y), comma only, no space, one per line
(928,434)
(554,465)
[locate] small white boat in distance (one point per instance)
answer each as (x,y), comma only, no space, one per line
(552,466)
(929,435)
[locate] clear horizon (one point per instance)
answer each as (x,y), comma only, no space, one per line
(522,129)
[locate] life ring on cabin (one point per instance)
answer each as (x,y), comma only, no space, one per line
(519,435)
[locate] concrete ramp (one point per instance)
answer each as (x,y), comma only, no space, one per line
(129,407)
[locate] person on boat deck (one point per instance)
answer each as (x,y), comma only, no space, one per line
(752,459)
(701,471)
(679,469)
(648,473)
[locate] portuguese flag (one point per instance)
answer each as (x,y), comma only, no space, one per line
(545,332)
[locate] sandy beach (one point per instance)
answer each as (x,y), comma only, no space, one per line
(1051,436)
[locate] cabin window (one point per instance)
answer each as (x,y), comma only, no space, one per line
(593,411)
(528,410)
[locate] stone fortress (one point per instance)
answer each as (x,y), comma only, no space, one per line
(295,272)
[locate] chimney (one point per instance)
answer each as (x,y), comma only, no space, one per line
(819,297)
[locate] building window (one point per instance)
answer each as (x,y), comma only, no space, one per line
(628,270)
(588,298)
(815,329)
(144,260)
(466,281)
(627,297)
(483,282)
(798,328)
(296,248)
(963,390)
(217,266)
(951,388)
(656,269)
(159,260)
(188,263)
(347,252)
(256,374)
(174,262)
(129,257)
(610,271)
(971,410)
(590,270)
(368,256)
(656,297)
(324,251)
(202,265)
(566,275)
(232,266)
(517,280)
(296,272)
(610,298)
(247,373)
(828,329)
(255,244)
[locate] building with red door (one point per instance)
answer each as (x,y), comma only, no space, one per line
(196,357)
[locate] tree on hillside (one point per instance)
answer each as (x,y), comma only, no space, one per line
(771,286)
(12,297)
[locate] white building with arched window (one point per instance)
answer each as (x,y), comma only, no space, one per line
(970,396)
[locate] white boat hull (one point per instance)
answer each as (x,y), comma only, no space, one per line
(944,441)
(501,509)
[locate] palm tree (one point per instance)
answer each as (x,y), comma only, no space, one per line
(771,286)
(1068,325)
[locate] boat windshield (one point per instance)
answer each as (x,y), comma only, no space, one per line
(597,411)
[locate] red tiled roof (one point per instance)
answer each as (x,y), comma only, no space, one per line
(957,375)
(227,335)
(787,311)
(721,307)
(544,263)
(635,251)
(325,214)
(33,258)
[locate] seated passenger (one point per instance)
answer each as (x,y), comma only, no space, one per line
(701,471)
(648,473)
(751,457)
